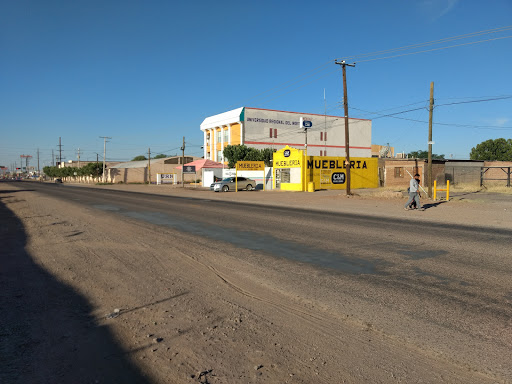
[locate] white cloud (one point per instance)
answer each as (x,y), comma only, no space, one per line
(501,121)
(436,9)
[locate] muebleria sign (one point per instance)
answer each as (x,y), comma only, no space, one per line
(250,165)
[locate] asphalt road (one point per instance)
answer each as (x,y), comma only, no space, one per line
(443,288)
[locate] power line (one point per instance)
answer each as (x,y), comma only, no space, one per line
(477,101)
(434,49)
(437,123)
(433,42)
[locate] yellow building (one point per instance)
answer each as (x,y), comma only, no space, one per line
(293,171)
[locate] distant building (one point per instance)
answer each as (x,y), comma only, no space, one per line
(139,171)
(383,151)
(265,128)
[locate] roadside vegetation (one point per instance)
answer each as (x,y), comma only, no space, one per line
(91,169)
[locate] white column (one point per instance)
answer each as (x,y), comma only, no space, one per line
(222,142)
(241,133)
(229,134)
(204,144)
(213,149)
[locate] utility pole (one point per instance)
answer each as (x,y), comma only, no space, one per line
(97,166)
(78,157)
(53,159)
(60,153)
(430,113)
(149,165)
(345,104)
(183,163)
(305,139)
(38,170)
(325,125)
(104,154)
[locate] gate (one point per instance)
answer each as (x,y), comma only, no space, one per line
(486,171)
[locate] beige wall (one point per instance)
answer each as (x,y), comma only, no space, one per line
(395,171)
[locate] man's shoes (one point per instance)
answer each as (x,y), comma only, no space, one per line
(406,209)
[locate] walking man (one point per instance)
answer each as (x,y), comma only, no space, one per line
(414,193)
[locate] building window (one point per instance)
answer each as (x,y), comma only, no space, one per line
(219,136)
(219,156)
(321,137)
(275,133)
(399,172)
(325,136)
(271,132)
(226,136)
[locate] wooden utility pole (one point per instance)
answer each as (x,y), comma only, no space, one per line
(149,165)
(97,166)
(60,152)
(183,163)
(430,113)
(345,105)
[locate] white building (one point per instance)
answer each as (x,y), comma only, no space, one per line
(265,128)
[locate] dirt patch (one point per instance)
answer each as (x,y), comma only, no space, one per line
(96,297)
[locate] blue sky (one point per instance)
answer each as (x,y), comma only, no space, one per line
(146,73)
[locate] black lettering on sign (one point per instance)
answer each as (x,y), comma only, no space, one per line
(364,165)
(332,164)
(352,164)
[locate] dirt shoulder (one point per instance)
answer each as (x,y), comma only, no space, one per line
(467,208)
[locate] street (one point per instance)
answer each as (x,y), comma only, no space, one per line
(221,291)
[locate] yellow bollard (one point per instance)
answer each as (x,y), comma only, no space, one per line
(435,189)
(447,190)
(311,186)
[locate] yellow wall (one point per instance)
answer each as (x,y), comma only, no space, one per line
(235,134)
(294,160)
(325,172)
(320,170)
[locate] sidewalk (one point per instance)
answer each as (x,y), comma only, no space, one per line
(473,209)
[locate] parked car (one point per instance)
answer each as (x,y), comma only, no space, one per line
(230,183)
(58,181)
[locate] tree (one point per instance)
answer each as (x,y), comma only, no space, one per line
(492,150)
(234,153)
(139,158)
(419,154)
(267,156)
(160,156)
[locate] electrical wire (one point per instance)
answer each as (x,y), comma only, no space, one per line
(433,42)
(434,49)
